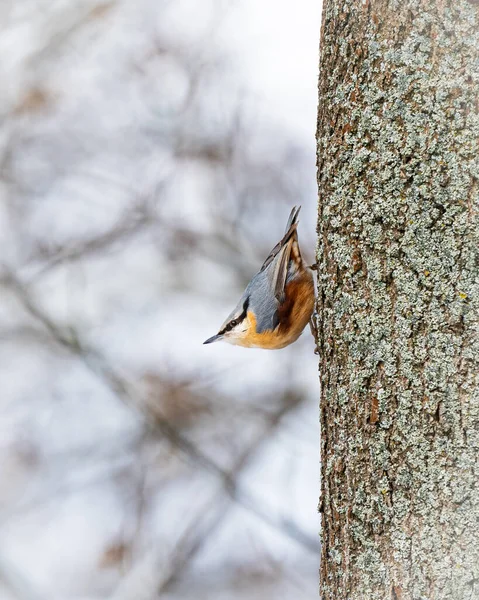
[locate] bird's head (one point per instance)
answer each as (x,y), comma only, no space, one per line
(237,327)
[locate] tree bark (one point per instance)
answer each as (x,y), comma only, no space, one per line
(398,240)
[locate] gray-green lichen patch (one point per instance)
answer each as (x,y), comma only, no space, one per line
(398,289)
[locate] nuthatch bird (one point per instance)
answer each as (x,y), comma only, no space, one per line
(277,303)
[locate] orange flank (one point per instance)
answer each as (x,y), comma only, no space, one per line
(294,314)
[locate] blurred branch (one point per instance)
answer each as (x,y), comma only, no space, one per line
(16,583)
(194,539)
(97,364)
(129,144)
(69,23)
(207,519)
(130,225)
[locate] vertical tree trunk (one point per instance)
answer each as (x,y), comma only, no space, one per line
(398,171)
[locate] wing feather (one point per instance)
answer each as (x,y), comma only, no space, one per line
(290,230)
(282,254)
(281,272)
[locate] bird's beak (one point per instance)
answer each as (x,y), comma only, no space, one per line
(215,338)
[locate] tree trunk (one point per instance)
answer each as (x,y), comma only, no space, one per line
(398,130)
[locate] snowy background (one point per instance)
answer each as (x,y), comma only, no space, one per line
(150,153)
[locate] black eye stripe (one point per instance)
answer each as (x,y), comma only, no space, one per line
(229,326)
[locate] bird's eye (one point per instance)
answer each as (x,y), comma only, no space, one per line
(233,323)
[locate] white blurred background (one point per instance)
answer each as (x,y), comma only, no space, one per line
(150,153)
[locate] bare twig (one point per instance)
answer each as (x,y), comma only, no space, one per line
(99,366)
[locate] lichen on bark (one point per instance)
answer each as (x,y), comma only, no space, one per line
(398,299)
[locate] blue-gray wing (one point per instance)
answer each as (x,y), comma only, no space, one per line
(291,226)
(262,302)
(266,291)
(279,257)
